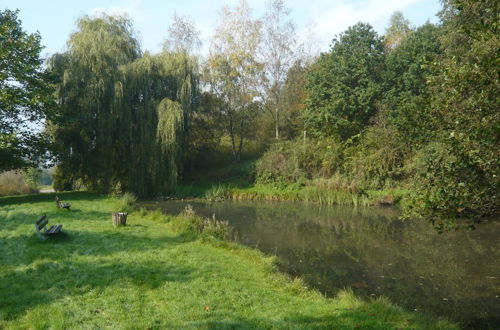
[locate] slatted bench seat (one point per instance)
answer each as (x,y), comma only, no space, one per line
(61,205)
(45,233)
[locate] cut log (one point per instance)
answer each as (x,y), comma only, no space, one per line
(120,219)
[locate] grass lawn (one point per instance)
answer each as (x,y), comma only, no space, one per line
(149,276)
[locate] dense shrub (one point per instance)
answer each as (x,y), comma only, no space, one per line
(126,202)
(371,160)
(14,183)
(376,161)
(193,226)
(448,185)
(296,162)
(63,180)
(218,229)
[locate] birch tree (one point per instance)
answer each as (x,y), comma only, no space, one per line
(232,69)
(277,54)
(182,36)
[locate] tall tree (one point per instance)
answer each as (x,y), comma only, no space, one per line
(125,113)
(277,54)
(398,30)
(345,84)
(232,69)
(409,67)
(182,36)
(460,171)
(292,96)
(89,71)
(25,95)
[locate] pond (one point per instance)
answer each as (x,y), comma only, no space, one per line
(455,274)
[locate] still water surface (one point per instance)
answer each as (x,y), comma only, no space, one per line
(456,274)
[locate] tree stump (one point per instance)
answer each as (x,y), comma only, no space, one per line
(120,219)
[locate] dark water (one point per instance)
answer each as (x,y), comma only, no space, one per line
(456,274)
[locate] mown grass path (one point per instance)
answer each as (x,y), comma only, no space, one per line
(146,276)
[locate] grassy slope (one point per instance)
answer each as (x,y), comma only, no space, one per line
(146,276)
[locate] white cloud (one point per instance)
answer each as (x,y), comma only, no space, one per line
(330,17)
(339,15)
(130,7)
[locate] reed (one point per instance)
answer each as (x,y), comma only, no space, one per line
(309,194)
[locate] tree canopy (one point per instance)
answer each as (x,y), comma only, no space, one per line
(345,84)
(414,110)
(125,113)
(25,95)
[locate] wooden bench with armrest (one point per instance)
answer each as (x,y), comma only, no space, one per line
(44,233)
(61,205)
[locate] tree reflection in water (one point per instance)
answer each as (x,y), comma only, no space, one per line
(454,274)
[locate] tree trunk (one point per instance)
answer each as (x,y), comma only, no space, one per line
(240,147)
(277,96)
(277,123)
(120,219)
(231,134)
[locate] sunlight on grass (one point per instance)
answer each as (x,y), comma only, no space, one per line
(150,274)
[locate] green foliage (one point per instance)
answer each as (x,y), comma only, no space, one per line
(32,177)
(332,197)
(345,84)
(219,193)
(155,215)
(232,71)
(127,202)
(205,132)
(125,114)
(398,30)
(298,161)
(213,228)
(459,173)
(406,104)
(64,179)
(293,101)
(25,95)
(376,159)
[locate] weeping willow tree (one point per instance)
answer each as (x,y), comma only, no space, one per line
(158,94)
(125,113)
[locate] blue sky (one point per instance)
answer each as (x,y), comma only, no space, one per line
(55,19)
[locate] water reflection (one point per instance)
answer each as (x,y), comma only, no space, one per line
(454,274)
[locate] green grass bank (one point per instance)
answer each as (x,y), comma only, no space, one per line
(240,190)
(157,273)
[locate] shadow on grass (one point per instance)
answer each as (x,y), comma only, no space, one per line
(66,196)
(357,318)
(50,281)
(54,215)
(26,249)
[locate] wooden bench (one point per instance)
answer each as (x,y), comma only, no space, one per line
(61,205)
(40,225)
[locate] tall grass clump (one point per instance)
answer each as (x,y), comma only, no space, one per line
(153,215)
(218,229)
(14,183)
(219,193)
(333,197)
(193,226)
(127,202)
